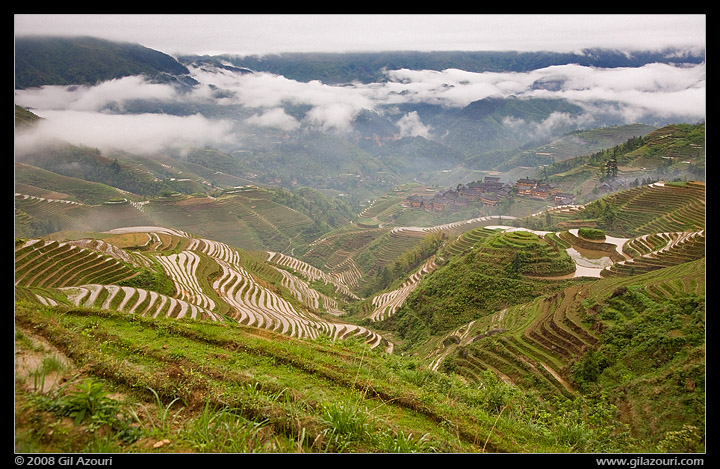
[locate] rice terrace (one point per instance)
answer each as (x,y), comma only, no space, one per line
(463,290)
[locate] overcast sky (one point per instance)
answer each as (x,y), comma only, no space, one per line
(261,34)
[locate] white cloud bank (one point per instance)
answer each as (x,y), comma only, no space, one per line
(656,88)
(139,133)
(275,118)
(410,125)
(91,115)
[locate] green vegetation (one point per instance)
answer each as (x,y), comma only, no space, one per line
(174,383)
(490,277)
(671,153)
(497,349)
(404,264)
(90,164)
(155,280)
(85,61)
(638,343)
(590,233)
(652,351)
(245,319)
(651,209)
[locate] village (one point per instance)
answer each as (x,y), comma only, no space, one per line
(490,192)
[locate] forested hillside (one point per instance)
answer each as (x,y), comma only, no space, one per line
(85,61)
(368,67)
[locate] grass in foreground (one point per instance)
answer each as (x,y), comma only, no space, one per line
(130,384)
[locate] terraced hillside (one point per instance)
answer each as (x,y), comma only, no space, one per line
(656,251)
(178,386)
(355,253)
(385,304)
(545,314)
(544,345)
(208,280)
(248,217)
(38,215)
(654,208)
(632,329)
(55,265)
(674,152)
(244,217)
(508,309)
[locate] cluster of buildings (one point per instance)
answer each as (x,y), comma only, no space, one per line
(490,191)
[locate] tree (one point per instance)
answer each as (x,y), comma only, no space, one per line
(115,166)
(611,169)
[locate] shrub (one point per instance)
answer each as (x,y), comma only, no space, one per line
(591,233)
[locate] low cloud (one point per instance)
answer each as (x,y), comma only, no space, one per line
(410,125)
(661,89)
(275,118)
(141,134)
(95,98)
(93,115)
(555,122)
(331,107)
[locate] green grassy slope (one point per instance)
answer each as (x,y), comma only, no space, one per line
(183,342)
(668,153)
(508,362)
(194,386)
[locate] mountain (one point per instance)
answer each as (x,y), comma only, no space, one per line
(340,141)
(570,145)
(672,152)
(337,68)
(43,61)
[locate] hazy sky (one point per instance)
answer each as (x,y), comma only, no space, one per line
(258,34)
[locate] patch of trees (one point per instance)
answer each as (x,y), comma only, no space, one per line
(591,233)
(604,212)
(600,158)
(154,280)
(326,212)
(90,164)
(404,264)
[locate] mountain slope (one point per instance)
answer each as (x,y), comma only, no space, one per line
(336,68)
(215,316)
(639,340)
(672,152)
(210,279)
(86,61)
(179,386)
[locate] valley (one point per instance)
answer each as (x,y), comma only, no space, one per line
(372,273)
(533,339)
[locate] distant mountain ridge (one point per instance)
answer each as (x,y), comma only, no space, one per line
(367,67)
(43,61)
